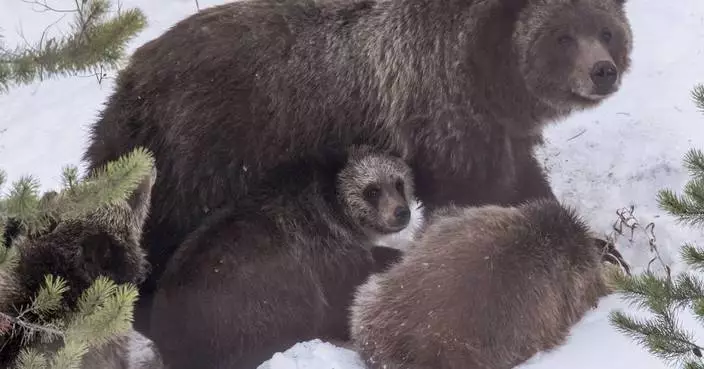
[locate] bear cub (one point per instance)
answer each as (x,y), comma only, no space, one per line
(104,243)
(483,288)
(281,266)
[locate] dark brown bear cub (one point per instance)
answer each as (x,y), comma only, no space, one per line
(104,243)
(281,266)
(464,88)
(483,288)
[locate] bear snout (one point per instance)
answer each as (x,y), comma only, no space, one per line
(604,74)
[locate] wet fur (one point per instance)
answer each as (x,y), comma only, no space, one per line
(104,243)
(483,288)
(229,94)
(278,268)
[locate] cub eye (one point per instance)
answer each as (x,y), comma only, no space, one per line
(371,193)
(399,186)
(565,40)
(606,35)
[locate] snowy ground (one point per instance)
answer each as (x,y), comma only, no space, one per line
(617,155)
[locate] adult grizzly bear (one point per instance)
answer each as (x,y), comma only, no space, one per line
(462,87)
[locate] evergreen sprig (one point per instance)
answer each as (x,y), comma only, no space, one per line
(664,297)
(105,186)
(698,96)
(104,310)
(95,43)
(688,207)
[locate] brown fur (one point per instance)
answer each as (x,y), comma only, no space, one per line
(104,243)
(278,268)
(462,88)
(483,288)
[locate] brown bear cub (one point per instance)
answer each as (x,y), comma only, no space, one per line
(281,266)
(104,243)
(464,88)
(482,288)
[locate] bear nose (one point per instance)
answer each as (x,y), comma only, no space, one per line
(604,74)
(402,214)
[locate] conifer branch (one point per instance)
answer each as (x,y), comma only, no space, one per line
(104,311)
(698,96)
(662,335)
(95,43)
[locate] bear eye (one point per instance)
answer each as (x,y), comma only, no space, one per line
(371,193)
(565,40)
(399,186)
(606,35)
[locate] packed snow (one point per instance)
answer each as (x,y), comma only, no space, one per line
(617,155)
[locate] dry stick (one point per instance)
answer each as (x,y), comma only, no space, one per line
(626,217)
(4,318)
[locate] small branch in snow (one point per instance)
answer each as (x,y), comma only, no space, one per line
(627,219)
(577,135)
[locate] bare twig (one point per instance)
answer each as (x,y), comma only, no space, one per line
(30,327)
(577,135)
(46,8)
(626,218)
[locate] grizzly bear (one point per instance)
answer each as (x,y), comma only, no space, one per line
(103,243)
(281,266)
(462,88)
(483,288)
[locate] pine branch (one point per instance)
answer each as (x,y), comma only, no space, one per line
(693,256)
(31,359)
(23,203)
(109,184)
(32,328)
(689,208)
(661,336)
(95,44)
(694,162)
(698,96)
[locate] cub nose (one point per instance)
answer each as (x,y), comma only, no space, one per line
(604,75)
(402,215)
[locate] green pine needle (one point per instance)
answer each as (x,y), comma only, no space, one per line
(70,356)
(23,203)
(69,177)
(50,295)
(9,257)
(95,43)
(698,96)
(92,298)
(31,359)
(693,256)
(694,162)
(107,185)
(694,364)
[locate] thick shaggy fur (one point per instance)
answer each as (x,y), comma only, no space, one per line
(483,288)
(278,268)
(105,243)
(462,88)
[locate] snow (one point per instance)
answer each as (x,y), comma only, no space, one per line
(619,154)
